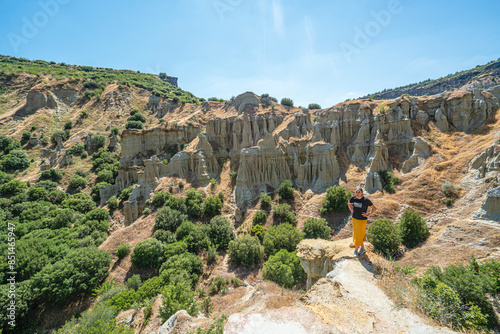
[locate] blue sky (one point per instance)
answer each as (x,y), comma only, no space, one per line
(316,51)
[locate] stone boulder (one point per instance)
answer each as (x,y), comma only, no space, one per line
(245,101)
(318,256)
(490,207)
(421,151)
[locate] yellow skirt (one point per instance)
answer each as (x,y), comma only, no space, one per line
(358,231)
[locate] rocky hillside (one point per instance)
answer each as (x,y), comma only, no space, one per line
(480,77)
(157,167)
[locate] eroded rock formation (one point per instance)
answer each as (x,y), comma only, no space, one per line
(268,147)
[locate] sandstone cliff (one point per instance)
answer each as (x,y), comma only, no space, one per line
(267,147)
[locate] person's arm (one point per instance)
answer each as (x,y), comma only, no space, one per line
(372,211)
(349,204)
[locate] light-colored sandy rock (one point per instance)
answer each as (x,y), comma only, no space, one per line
(441,121)
(421,151)
(245,101)
(38,99)
(290,320)
(260,166)
(321,169)
(318,256)
(490,207)
(487,161)
(349,298)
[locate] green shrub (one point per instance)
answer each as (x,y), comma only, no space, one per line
(284,268)
(286,189)
(383,234)
(37,194)
(167,237)
(79,202)
(233,176)
(449,189)
(137,117)
(472,285)
(282,236)
(26,136)
(98,141)
(79,272)
(313,106)
(148,254)
(260,217)
(220,232)
(125,193)
(245,250)
(84,113)
(412,228)
(68,125)
(77,182)
(115,130)
(178,297)
(181,185)
(212,206)
(13,187)
(169,219)
(8,144)
(105,176)
(15,159)
(151,288)
(134,111)
(194,203)
(134,282)
(134,125)
(182,267)
(283,214)
(52,174)
(258,231)
(76,149)
(100,319)
(175,248)
(335,200)
(193,235)
(4,177)
(63,134)
(123,250)
(123,300)
(287,102)
(265,200)
(84,155)
(443,304)
(112,203)
(388,181)
(448,201)
(316,228)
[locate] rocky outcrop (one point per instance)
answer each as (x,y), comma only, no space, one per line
(57,100)
(421,151)
(268,148)
(283,320)
(486,162)
(348,298)
(245,102)
(260,166)
(321,169)
(490,207)
(318,257)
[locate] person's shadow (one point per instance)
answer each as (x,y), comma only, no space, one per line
(366,263)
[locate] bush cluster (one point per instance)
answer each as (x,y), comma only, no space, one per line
(335,200)
(386,236)
(284,268)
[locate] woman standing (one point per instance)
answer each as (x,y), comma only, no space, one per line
(358,204)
